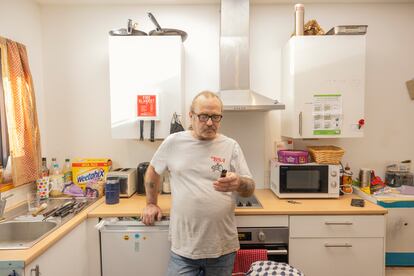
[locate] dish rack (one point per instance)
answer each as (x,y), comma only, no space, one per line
(326,154)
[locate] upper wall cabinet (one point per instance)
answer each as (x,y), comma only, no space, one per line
(146,83)
(323,86)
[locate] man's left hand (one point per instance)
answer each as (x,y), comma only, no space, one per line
(229,183)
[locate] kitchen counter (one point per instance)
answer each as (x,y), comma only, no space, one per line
(272,205)
(133,207)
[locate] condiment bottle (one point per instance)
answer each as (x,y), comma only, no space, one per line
(67,171)
(45,169)
(299,19)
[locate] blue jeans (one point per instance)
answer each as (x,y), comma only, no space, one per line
(221,266)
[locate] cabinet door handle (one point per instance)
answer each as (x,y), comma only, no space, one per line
(338,223)
(36,270)
(300,123)
(277,252)
(338,245)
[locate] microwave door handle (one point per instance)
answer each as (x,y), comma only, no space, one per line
(277,252)
(300,123)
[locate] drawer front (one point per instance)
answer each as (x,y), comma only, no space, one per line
(262,221)
(337,226)
(338,256)
(400,229)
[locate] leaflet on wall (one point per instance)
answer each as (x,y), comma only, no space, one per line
(327,114)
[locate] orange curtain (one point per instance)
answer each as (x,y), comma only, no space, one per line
(21,115)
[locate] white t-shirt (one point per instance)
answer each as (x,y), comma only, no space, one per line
(202,223)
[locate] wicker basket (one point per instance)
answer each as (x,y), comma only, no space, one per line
(326,154)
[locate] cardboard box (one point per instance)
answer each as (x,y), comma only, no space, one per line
(90,170)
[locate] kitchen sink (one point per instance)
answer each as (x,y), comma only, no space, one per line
(23,234)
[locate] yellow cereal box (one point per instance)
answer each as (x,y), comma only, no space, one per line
(90,170)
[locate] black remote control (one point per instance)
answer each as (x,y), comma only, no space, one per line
(356,202)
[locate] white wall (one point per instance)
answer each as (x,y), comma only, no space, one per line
(77,116)
(20,21)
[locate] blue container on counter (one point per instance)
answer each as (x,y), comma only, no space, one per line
(112,188)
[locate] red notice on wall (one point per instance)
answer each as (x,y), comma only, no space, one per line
(147,105)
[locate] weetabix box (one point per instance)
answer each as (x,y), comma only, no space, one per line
(90,170)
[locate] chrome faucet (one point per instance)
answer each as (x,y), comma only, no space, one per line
(3,202)
(129,28)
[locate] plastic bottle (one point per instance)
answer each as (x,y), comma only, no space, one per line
(67,171)
(56,179)
(299,19)
(166,187)
(45,169)
(347,180)
(54,167)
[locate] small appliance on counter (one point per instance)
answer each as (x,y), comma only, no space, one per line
(142,168)
(310,180)
(127,179)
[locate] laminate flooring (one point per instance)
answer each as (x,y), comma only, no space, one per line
(399,271)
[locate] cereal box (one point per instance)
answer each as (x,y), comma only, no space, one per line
(90,169)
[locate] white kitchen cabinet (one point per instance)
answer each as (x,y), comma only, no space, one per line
(145,65)
(93,247)
(337,245)
(400,239)
(323,86)
(67,257)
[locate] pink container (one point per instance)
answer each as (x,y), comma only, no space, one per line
(293,156)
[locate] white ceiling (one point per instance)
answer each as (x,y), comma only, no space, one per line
(201,2)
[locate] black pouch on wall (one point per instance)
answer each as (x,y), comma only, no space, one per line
(176,125)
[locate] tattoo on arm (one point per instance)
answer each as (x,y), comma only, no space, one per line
(151,192)
(151,182)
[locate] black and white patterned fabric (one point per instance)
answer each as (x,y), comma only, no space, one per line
(270,268)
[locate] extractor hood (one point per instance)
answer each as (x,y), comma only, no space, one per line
(235,89)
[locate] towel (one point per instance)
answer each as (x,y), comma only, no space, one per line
(272,268)
(245,257)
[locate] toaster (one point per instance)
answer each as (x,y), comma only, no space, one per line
(127,180)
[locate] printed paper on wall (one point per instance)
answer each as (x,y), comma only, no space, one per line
(327,114)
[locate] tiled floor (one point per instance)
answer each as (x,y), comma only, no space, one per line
(399,271)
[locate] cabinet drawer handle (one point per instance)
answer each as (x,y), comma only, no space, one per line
(338,245)
(338,223)
(277,252)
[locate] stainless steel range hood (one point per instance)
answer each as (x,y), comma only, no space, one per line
(234,61)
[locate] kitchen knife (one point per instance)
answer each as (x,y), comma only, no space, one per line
(50,213)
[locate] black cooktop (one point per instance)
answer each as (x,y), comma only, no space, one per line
(248,202)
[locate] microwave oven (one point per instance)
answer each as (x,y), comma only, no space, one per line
(127,180)
(310,180)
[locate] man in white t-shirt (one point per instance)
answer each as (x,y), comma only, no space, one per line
(202,224)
